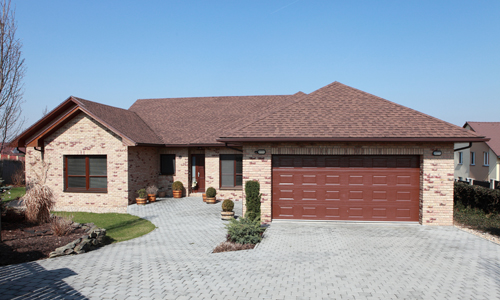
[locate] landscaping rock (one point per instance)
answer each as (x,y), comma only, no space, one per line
(93,239)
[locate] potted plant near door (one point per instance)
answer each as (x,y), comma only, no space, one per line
(177,188)
(142,200)
(204,197)
(211,192)
(152,190)
(227,212)
(162,193)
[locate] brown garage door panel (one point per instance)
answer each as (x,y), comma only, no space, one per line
(368,188)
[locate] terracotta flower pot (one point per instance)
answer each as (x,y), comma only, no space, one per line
(162,194)
(211,200)
(226,215)
(152,197)
(177,194)
(204,197)
(141,201)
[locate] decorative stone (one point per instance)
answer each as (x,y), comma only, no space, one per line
(90,241)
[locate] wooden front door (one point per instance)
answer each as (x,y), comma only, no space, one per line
(198,172)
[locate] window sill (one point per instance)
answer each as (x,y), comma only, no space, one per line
(85,192)
(486,165)
(231,188)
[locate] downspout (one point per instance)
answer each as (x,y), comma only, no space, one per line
(17,148)
(463,148)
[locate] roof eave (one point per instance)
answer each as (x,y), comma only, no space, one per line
(355,139)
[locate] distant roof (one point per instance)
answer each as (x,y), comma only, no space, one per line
(490,130)
(340,112)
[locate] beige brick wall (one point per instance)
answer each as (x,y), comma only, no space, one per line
(181,169)
(212,173)
(436,179)
(143,168)
(83,136)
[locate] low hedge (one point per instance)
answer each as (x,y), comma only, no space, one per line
(475,196)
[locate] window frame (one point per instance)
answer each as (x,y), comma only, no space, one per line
(460,158)
(473,158)
(87,176)
(486,159)
(173,166)
(234,186)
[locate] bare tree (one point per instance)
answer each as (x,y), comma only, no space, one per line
(12,70)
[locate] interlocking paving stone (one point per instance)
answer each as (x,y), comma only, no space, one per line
(296,260)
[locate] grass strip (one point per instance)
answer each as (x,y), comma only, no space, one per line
(119,227)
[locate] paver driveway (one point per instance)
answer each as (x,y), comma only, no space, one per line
(294,261)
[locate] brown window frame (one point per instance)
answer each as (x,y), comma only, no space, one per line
(87,176)
(234,186)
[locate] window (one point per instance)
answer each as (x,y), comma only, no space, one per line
(167,164)
(486,157)
(473,158)
(231,170)
(460,158)
(85,173)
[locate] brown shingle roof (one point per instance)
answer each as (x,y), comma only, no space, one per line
(202,120)
(490,130)
(123,122)
(338,111)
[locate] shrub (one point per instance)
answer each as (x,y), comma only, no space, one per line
(39,200)
(227,205)
(252,193)
(177,186)
(19,176)
(474,196)
(152,190)
(228,246)
(244,231)
(61,225)
(211,192)
(142,193)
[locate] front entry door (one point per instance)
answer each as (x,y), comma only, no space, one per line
(198,172)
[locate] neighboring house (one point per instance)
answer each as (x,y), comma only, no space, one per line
(482,160)
(337,153)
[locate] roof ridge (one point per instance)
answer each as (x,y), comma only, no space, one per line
(211,97)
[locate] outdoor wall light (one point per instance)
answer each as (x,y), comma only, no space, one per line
(437,152)
(261,151)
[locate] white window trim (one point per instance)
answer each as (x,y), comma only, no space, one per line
(473,158)
(460,158)
(486,159)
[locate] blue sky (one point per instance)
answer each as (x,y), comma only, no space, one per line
(438,57)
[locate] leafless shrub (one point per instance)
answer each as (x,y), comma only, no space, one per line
(18,178)
(39,200)
(61,225)
(228,246)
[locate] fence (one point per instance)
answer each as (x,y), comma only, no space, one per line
(487,184)
(9,164)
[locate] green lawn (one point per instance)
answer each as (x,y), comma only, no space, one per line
(477,219)
(14,193)
(119,227)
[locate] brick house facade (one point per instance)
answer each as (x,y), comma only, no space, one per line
(132,143)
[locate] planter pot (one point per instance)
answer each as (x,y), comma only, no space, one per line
(152,197)
(204,197)
(226,215)
(141,201)
(177,194)
(162,194)
(211,200)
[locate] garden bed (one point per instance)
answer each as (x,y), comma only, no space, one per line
(24,242)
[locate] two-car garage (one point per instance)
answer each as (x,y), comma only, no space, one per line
(346,187)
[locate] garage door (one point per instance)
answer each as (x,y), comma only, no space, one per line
(357,188)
